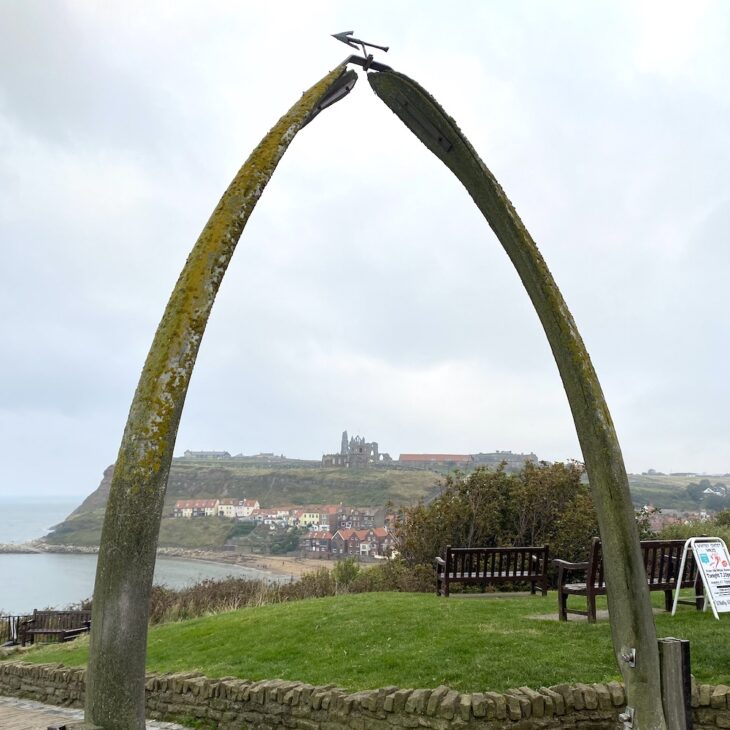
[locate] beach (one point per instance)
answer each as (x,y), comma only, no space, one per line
(291,565)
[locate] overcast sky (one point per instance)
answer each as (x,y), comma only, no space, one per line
(367,292)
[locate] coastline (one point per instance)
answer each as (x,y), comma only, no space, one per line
(291,565)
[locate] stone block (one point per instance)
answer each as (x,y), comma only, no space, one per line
(465,707)
(566,692)
(435,699)
(722,720)
(537,701)
(418,700)
(316,699)
(695,692)
(617,692)
(335,698)
(479,704)
(307,725)
(374,699)
(306,694)
(449,704)
(288,696)
(705,715)
(400,697)
(718,698)
(590,698)
(603,695)
(514,709)
(705,695)
(500,706)
(578,698)
(558,703)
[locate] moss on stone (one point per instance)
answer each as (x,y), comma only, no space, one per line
(632,622)
(115,697)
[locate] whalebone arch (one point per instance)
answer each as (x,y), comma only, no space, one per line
(116,675)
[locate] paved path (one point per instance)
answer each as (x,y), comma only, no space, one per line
(18,714)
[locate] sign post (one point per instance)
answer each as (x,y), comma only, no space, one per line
(713,565)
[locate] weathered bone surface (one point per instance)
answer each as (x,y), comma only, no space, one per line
(116,676)
(632,623)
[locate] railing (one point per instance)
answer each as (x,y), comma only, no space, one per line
(9,628)
(43,626)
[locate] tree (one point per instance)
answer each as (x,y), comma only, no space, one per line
(723,518)
(695,491)
(716,503)
(543,503)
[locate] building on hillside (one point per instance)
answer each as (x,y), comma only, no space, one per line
(249,505)
(492,460)
(356,454)
(512,462)
(206,455)
(328,516)
(430,461)
(360,518)
(305,517)
(237,508)
(195,508)
(362,543)
(317,544)
(269,517)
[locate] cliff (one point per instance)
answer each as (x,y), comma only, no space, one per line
(278,484)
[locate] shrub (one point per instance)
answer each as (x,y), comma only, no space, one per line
(347,576)
(544,503)
(344,572)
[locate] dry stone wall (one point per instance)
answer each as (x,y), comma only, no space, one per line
(233,704)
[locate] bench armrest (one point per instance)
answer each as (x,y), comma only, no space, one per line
(565,565)
(439,561)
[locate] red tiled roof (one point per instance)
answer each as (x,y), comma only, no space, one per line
(196,503)
(434,457)
(347,533)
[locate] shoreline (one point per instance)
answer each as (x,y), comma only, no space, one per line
(280,565)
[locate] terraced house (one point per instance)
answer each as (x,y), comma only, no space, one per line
(196,508)
(376,541)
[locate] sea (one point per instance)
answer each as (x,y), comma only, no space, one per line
(55,580)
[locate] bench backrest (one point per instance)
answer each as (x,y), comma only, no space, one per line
(662,559)
(507,561)
(60,619)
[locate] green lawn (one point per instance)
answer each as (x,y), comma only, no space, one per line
(410,640)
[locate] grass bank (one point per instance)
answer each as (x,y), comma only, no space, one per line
(374,640)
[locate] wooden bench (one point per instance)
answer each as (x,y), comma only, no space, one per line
(484,566)
(53,626)
(662,559)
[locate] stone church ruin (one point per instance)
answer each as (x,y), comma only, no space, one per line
(356,454)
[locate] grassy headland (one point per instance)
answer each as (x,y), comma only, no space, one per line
(301,483)
(274,485)
(373,640)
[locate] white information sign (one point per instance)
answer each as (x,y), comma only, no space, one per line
(713,564)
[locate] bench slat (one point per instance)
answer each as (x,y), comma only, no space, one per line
(661,560)
(485,566)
